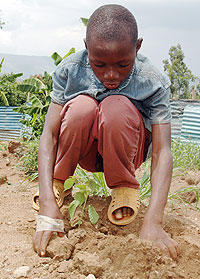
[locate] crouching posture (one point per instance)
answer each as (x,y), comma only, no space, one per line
(109,104)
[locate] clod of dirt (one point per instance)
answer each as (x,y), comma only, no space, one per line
(76,236)
(88,263)
(21,272)
(90,276)
(7,162)
(4,153)
(63,268)
(189,197)
(60,249)
(3,179)
(13,145)
(190,181)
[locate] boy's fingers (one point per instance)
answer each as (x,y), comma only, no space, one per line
(170,249)
(36,241)
(178,249)
(44,242)
(173,252)
(164,248)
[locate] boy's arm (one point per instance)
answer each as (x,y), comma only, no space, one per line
(161,173)
(46,161)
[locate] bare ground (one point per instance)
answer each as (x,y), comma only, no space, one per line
(104,250)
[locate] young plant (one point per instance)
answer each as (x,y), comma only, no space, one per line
(85,184)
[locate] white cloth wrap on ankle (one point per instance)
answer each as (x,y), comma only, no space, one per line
(45,223)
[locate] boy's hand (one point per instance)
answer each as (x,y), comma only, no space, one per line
(155,233)
(41,239)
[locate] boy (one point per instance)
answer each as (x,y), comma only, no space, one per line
(108,102)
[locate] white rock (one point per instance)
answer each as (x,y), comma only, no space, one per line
(90,276)
(21,272)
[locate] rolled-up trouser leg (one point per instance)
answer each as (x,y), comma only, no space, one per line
(121,138)
(75,138)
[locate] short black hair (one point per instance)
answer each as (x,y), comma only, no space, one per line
(112,22)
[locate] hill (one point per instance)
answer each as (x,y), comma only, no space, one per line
(28,65)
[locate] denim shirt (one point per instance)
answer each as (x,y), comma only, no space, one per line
(145,86)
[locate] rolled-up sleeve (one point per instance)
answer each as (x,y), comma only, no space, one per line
(159,107)
(60,77)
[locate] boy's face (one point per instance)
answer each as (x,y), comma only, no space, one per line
(112,62)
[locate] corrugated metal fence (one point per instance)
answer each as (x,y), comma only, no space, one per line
(177,109)
(190,129)
(10,127)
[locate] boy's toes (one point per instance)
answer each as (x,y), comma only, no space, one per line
(123,212)
(118,214)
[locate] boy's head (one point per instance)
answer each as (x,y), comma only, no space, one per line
(112,43)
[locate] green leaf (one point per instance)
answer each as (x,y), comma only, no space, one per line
(93,215)
(4,99)
(36,102)
(84,20)
(72,50)
(57,58)
(80,197)
(69,183)
(11,77)
(1,64)
(82,187)
(93,186)
(72,208)
(26,88)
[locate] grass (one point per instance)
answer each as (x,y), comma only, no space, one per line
(186,155)
(185,158)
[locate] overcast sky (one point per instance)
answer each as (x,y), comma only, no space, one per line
(41,27)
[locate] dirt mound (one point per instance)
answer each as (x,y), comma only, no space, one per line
(104,250)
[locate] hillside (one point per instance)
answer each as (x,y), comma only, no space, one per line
(28,65)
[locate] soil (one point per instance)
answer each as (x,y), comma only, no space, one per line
(104,250)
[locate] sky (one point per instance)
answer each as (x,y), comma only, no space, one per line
(41,27)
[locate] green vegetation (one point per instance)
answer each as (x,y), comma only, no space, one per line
(9,94)
(29,158)
(37,89)
(186,155)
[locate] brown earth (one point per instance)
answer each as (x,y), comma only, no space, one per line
(104,250)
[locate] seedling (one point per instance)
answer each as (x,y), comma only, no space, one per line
(85,184)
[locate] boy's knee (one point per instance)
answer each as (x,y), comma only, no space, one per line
(79,111)
(118,112)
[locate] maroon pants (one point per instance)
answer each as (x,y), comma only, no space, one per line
(113,128)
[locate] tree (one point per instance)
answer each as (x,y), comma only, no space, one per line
(180,76)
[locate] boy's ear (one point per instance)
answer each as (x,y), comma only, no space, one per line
(139,44)
(85,43)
